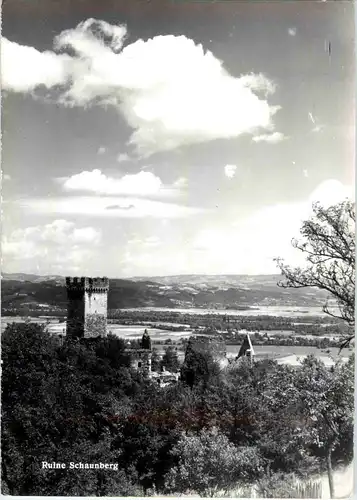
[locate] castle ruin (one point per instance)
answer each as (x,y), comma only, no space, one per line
(87,304)
(141,357)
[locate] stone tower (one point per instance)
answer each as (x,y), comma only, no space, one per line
(87,301)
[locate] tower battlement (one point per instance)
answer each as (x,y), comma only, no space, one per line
(87,284)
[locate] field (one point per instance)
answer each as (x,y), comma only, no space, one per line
(283,354)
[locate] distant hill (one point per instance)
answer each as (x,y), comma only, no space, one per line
(33,278)
(21,291)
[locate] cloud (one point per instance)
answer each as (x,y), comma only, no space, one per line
(123,157)
(292,31)
(180,183)
(25,68)
(101,150)
(150,241)
(330,192)
(168,88)
(120,207)
(53,247)
(142,183)
(273,138)
(250,245)
(139,184)
(105,206)
(230,171)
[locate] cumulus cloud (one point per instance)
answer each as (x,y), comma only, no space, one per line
(330,192)
(52,247)
(142,183)
(169,89)
(230,171)
(292,31)
(139,184)
(273,138)
(24,68)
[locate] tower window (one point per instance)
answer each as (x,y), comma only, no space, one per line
(139,364)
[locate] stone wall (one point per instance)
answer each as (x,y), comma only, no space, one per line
(95,325)
(95,309)
(75,313)
(141,360)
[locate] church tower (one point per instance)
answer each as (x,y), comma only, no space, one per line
(87,303)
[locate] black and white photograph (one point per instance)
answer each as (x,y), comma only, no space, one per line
(178,248)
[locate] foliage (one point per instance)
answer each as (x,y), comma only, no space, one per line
(321,404)
(155,360)
(208,462)
(328,242)
(213,431)
(287,486)
(170,359)
(199,367)
(62,414)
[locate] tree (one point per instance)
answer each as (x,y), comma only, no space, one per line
(328,242)
(170,359)
(198,368)
(318,403)
(208,462)
(155,360)
(57,405)
(327,400)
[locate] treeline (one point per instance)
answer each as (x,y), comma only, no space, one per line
(212,431)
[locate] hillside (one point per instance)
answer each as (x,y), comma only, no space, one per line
(23,292)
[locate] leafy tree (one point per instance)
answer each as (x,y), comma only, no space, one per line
(198,367)
(328,242)
(208,462)
(327,399)
(170,359)
(155,360)
(56,406)
(318,403)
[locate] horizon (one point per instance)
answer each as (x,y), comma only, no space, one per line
(189,143)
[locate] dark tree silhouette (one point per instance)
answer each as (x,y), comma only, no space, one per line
(328,242)
(146,340)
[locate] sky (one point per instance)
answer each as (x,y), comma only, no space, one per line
(171,137)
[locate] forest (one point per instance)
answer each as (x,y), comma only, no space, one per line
(214,431)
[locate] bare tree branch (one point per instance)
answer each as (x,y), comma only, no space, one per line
(328,242)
